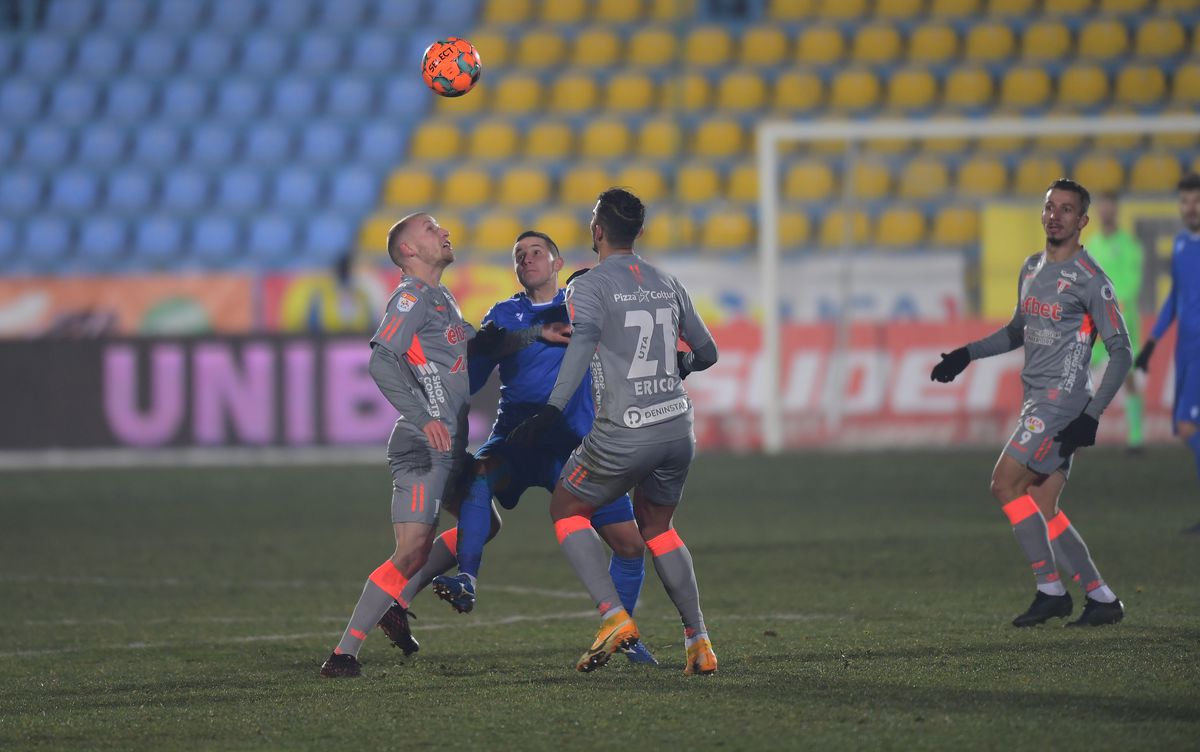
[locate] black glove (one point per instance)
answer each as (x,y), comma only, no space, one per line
(1143,358)
(1080,432)
(952,365)
(683,360)
(532,428)
(487,340)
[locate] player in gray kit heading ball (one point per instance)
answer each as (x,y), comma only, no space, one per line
(1064,303)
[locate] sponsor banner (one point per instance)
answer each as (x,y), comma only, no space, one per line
(85,307)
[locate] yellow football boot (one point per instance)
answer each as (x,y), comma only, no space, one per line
(700,658)
(616,632)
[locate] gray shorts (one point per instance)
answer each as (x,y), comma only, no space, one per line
(423,478)
(1033,443)
(599,471)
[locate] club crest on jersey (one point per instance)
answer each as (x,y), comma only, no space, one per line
(405,302)
(1106,292)
(1034,424)
(1034,307)
(1062,285)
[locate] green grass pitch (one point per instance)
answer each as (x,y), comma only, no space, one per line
(856,601)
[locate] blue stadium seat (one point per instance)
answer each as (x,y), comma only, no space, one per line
(350,99)
(343,15)
(74,191)
(354,189)
(179,16)
(451,14)
(153,55)
(70,17)
(234,15)
(126,16)
(240,190)
(184,191)
(129,101)
(268,144)
(294,15)
(324,144)
(20,192)
(208,55)
(158,146)
(319,54)
(404,96)
(99,58)
(184,101)
(265,55)
(295,98)
(271,241)
(327,238)
(8,145)
(239,100)
(74,102)
(158,241)
(381,142)
(373,52)
(399,16)
(102,242)
(46,146)
(9,232)
(8,53)
(212,145)
(44,58)
(129,190)
(296,190)
(215,240)
(101,146)
(20,101)
(47,242)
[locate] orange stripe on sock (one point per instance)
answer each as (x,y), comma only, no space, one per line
(450,540)
(1057,525)
(389,579)
(358,635)
(665,543)
(1020,509)
(569,525)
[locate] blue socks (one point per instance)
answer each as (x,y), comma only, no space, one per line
(627,576)
(474,524)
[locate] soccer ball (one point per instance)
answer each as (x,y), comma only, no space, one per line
(451,66)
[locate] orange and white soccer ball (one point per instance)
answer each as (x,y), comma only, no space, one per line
(451,66)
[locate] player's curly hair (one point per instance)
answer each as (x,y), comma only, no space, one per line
(1189,182)
(1067,184)
(622,215)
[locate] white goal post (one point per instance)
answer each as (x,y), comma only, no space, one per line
(770,135)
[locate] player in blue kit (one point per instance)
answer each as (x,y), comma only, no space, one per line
(1183,303)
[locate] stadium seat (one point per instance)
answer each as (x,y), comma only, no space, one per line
(1010,8)
(293,16)
(791,10)
(536,46)
(268,144)
(989,42)
(326,238)
(898,10)
(820,45)
(318,54)
(184,101)
(372,53)
(842,10)
(1167,6)
(739,91)
(523,186)
(157,146)
(1185,85)
(492,140)
(672,10)
(982,175)
(102,242)
(566,227)
(697,183)
(380,142)
(495,232)
(130,190)
(215,240)
(184,191)
(47,242)
(1008,143)
(550,140)
(1140,85)
(240,190)
(1066,7)
(1099,172)
(707,47)
(1035,172)
(955,227)
(450,14)
(910,89)
(1155,172)
(20,101)
(595,48)
(240,101)
(832,233)
(1160,37)
(605,138)
(100,147)
(436,140)
(900,227)
(809,180)
(212,145)
(20,192)
(742,183)
(798,92)
(99,58)
(74,102)
(351,99)
(296,98)
(725,229)
(667,231)
(854,90)
(690,92)
(231,16)
(563,11)
(630,91)
(323,143)
(1082,85)
(617,11)
(466,187)
(582,183)
(207,55)
(932,43)
(152,55)
(1046,40)
(924,177)
(795,228)
(646,180)
(353,189)
(1186,141)
(296,190)
(895,144)
(271,240)
(651,48)
(876,43)
(517,94)
(1123,7)
(69,17)
(157,241)
(455,224)
(45,58)
(763,46)
(495,49)
(718,137)
(1103,39)
(1025,87)
(574,93)
(660,138)
(870,179)
(267,55)
(953,8)
(372,234)
(343,16)
(47,147)
(507,11)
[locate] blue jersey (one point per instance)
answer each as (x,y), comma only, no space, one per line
(527,376)
(1183,302)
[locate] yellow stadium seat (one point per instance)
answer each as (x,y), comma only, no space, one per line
(574,93)
(690,92)
(596,48)
(652,47)
(536,46)
(1123,6)
(645,180)
(911,89)
(708,47)
(890,145)
(1058,142)
(507,11)
(742,185)
(453,223)
(870,179)
(1185,84)
(463,107)
(842,10)
(1009,143)
(809,180)
(1024,87)
(741,90)
(794,229)
(630,91)
(372,233)
(1103,39)
(565,226)
(1159,37)
(1066,7)
(549,139)
(1010,8)
(946,144)
(672,10)
(563,11)
(820,45)
(833,229)
(1155,172)
(798,92)
(1100,172)
(523,186)
(493,47)
(493,139)
(466,187)
(661,138)
(582,183)
(666,231)
(968,88)
(495,232)
(791,10)
(1037,171)
(924,177)
(617,11)
(876,43)
(953,8)
(982,175)
(727,229)
(1082,85)
(898,10)
(697,183)
(718,137)
(989,42)
(763,45)
(932,43)
(855,90)
(517,94)
(955,227)
(1168,6)
(436,140)
(1140,85)
(1118,141)
(409,186)
(900,227)
(1047,39)
(605,139)
(1179,141)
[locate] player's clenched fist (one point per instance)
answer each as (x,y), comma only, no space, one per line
(952,365)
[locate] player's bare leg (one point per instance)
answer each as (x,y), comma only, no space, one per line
(582,547)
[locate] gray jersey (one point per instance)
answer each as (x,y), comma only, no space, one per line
(1062,308)
(631,316)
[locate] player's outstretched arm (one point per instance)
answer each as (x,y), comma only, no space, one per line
(953,363)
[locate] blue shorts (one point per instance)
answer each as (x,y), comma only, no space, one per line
(1187,391)
(523,469)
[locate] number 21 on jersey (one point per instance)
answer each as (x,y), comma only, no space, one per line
(642,365)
